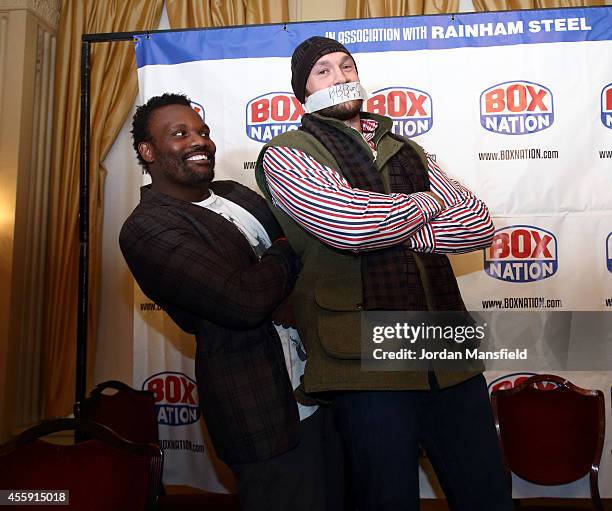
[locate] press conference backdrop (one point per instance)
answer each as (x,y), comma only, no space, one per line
(515,105)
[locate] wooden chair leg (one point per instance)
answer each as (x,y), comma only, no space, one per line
(594,478)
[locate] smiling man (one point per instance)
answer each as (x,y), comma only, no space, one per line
(372,218)
(211,254)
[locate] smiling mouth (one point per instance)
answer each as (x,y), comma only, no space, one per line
(198,157)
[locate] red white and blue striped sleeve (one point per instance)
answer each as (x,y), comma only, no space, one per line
(449,190)
(464,226)
(321,200)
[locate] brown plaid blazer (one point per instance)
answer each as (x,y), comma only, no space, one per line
(202,271)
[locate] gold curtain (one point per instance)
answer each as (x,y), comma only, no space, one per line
(215,13)
(509,5)
(380,8)
(113,89)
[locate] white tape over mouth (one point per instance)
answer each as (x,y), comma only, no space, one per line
(334,95)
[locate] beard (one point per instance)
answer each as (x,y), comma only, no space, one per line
(343,111)
(180,170)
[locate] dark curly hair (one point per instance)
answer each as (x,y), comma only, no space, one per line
(140,122)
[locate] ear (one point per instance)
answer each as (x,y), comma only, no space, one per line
(146,151)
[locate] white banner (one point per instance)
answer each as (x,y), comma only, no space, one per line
(164,364)
(516,105)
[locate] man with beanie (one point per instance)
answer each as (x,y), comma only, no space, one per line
(371,218)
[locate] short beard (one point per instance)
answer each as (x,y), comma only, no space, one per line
(179,169)
(343,111)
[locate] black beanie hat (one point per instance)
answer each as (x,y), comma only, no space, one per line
(305,56)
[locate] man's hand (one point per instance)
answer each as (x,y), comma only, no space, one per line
(282,248)
(283,315)
(437,199)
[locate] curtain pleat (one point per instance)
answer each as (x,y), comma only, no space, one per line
(113,89)
(381,8)
(510,5)
(215,13)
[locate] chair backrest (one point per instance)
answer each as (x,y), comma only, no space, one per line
(132,414)
(106,472)
(550,436)
(129,412)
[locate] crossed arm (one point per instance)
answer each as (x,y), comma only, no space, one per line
(322,201)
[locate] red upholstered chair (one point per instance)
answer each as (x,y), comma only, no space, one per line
(132,414)
(128,412)
(551,436)
(103,473)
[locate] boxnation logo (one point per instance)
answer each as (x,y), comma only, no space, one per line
(271,114)
(521,253)
(176,398)
(410,109)
(199,109)
(606,106)
(516,108)
(609,252)
(509,381)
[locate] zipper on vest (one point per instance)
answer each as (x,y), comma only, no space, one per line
(361,137)
(374,151)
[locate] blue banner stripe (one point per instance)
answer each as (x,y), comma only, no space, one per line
(380,34)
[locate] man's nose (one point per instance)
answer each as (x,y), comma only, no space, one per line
(199,139)
(338,76)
